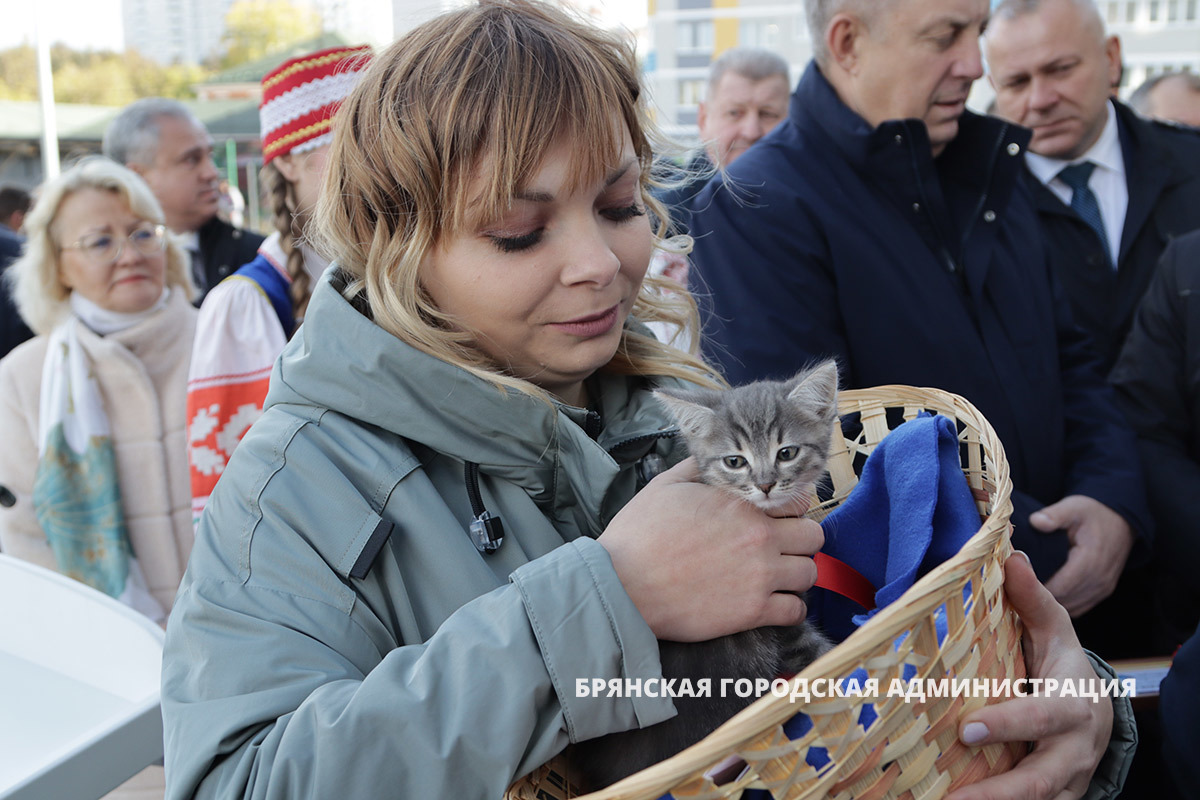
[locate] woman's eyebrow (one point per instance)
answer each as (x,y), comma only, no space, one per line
(620,172)
(534,196)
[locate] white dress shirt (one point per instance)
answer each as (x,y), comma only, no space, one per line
(1107,181)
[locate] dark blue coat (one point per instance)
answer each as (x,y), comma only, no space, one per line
(1179,706)
(1157,378)
(833,238)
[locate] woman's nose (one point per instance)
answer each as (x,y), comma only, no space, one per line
(589,258)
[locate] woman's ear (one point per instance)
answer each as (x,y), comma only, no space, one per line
(287,167)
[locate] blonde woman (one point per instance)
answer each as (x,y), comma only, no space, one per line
(91,410)
(441,522)
(247,319)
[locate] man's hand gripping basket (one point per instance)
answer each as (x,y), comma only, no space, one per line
(910,751)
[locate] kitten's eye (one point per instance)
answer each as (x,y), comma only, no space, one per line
(788,453)
(734,462)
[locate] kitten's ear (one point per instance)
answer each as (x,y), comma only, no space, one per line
(695,419)
(817,388)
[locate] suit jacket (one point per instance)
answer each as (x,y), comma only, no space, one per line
(1162,172)
(224,249)
(829,237)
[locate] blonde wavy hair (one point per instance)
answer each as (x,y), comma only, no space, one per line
(473,99)
(37,287)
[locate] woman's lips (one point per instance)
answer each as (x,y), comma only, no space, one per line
(588,326)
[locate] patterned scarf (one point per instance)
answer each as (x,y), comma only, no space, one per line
(76,495)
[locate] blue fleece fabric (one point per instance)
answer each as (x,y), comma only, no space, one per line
(911,510)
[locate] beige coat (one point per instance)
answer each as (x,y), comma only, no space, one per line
(142,374)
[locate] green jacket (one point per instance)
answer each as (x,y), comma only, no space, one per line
(430,670)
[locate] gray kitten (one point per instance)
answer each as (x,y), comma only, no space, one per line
(767,443)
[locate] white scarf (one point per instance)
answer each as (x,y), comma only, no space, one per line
(76,493)
(104,322)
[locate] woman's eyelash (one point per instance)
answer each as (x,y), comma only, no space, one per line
(624,212)
(513,244)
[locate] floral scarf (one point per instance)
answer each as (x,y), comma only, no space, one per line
(76,495)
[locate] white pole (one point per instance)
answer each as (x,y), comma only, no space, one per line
(50,167)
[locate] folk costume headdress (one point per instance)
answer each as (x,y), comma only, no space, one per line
(301,95)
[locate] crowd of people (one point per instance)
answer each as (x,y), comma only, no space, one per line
(387,475)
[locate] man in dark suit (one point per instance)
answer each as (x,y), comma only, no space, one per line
(164,143)
(1111,188)
(14,205)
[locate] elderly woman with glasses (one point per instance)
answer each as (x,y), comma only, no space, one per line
(92,410)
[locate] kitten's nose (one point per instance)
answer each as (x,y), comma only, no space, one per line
(765,488)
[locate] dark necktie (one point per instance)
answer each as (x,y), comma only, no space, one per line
(1084,201)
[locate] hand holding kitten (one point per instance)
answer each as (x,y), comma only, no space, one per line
(698,563)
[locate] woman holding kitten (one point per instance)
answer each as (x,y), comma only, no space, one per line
(436,527)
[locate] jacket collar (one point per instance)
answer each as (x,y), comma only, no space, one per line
(541,446)
(972,179)
(1150,169)
(816,106)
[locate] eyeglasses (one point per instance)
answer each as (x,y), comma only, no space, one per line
(104,248)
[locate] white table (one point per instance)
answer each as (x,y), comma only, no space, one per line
(79,687)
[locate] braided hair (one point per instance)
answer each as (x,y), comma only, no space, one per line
(282,195)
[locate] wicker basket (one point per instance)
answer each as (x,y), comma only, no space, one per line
(911,749)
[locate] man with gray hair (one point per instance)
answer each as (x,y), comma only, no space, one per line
(885,225)
(1111,188)
(1170,97)
(162,141)
(747,96)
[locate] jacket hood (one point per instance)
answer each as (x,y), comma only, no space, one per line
(342,361)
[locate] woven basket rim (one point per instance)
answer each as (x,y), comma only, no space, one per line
(918,600)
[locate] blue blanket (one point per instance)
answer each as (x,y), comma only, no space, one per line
(911,510)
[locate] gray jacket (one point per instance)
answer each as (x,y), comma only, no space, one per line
(309,656)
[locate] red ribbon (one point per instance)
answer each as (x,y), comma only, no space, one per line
(841,578)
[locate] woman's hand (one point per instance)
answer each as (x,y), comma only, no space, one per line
(699,563)
(1070,734)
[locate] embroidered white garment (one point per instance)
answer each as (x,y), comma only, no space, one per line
(75,495)
(238,338)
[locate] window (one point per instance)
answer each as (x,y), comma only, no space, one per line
(1190,14)
(759,33)
(1172,10)
(691,91)
(1112,12)
(695,36)
(1131,11)
(1154,10)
